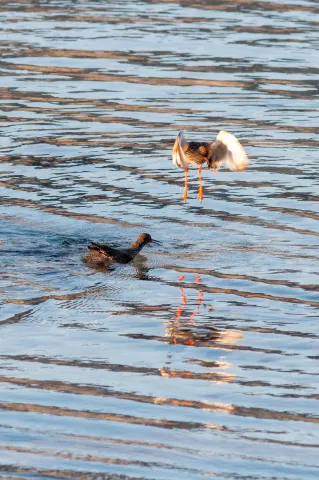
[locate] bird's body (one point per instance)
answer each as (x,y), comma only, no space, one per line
(226,148)
(197,153)
(104,254)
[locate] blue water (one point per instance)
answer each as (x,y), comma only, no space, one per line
(199,359)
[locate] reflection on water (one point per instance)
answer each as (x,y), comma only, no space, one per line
(214,333)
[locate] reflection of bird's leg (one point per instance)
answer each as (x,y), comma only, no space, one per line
(178,315)
(199,302)
(184,298)
(179,312)
(186,184)
(200,190)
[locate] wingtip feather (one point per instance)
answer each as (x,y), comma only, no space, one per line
(238,159)
(178,155)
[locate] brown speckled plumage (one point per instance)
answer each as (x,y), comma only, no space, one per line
(197,153)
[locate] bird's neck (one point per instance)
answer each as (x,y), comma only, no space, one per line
(136,247)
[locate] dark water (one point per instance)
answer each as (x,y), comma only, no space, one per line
(132,373)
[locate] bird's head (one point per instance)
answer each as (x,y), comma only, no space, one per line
(145,238)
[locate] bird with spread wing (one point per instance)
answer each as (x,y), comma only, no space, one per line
(225,149)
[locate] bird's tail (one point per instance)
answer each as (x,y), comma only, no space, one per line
(95,247)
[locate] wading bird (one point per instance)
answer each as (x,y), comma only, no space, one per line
(103,254)
(225,149)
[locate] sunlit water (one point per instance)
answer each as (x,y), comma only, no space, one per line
(200,358)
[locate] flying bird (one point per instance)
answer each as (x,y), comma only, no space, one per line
(225,149)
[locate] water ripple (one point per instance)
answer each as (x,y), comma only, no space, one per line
(213,333)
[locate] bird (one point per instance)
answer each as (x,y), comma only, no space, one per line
(225,149)
(103,254)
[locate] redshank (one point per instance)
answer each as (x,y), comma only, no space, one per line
(225,149)
(100,254)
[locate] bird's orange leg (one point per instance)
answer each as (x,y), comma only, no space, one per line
(186,184)
(200,190)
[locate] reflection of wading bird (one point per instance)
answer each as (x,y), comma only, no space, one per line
(181,334)
(226,148)
(186,331)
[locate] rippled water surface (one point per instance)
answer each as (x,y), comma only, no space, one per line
(200,358)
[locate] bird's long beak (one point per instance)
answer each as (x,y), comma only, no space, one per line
(157,242)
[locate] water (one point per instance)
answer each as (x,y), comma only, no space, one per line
(199,359)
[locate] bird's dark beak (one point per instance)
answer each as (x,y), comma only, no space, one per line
(157,242)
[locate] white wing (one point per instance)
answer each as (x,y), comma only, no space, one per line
(236,158)
(178,155)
